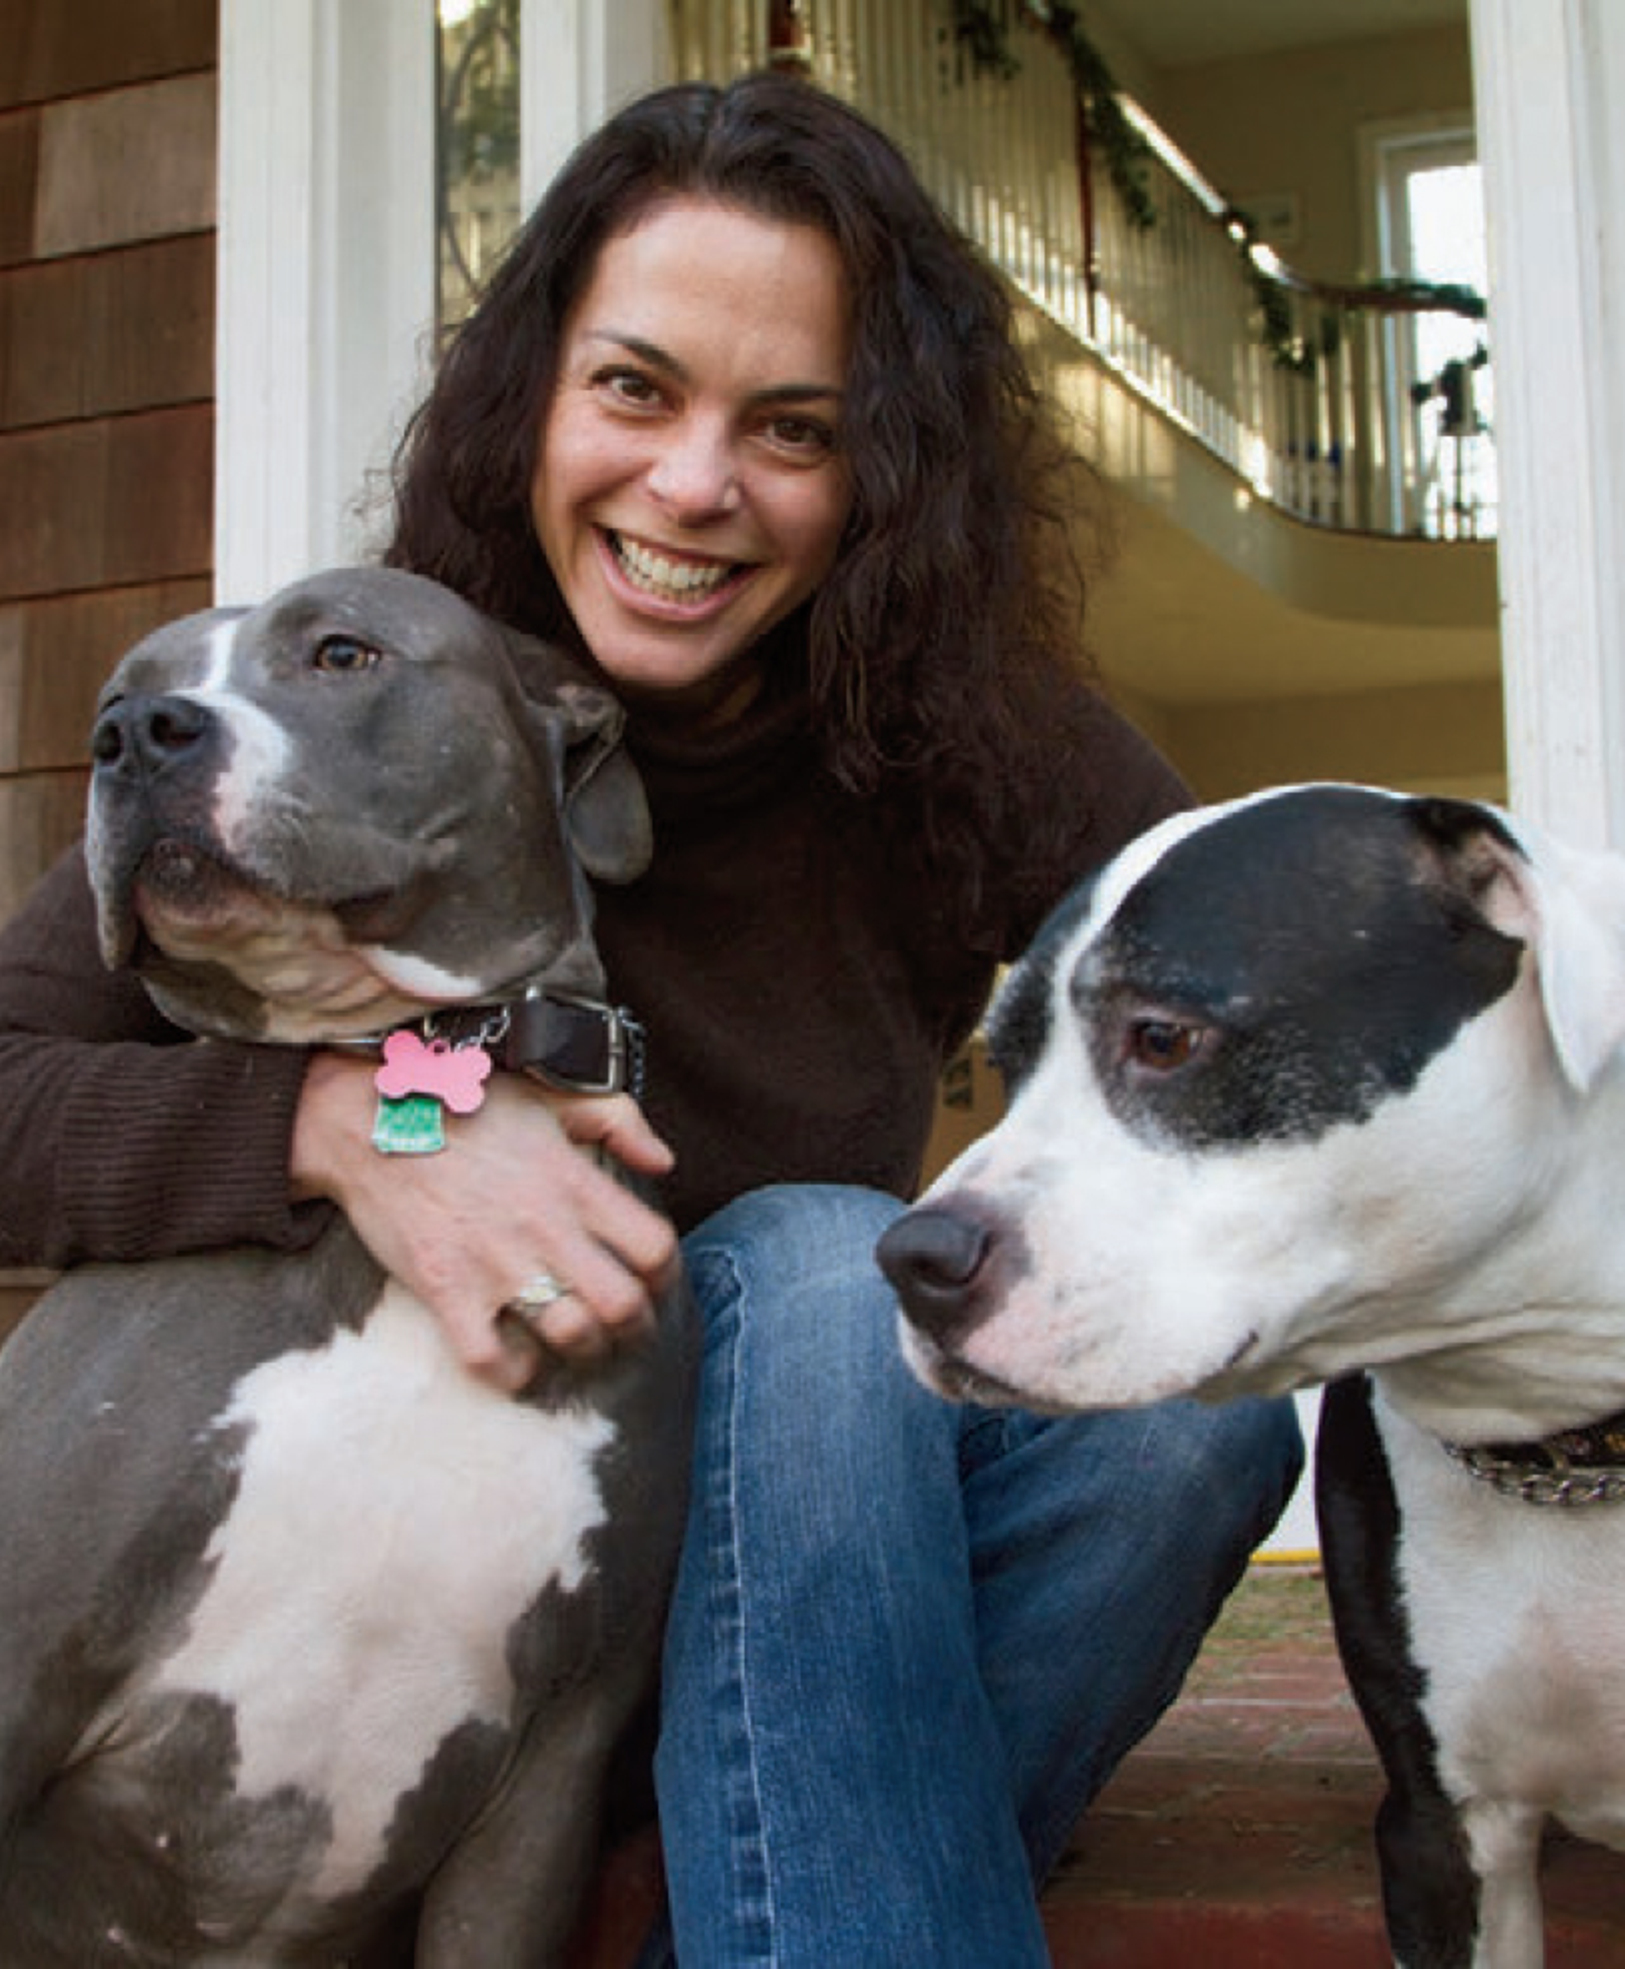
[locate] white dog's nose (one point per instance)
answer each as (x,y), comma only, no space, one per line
(934,1259)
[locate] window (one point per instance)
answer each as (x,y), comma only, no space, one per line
(1429,226)
(477,196)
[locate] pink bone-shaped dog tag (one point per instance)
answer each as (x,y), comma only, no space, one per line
(453,1074)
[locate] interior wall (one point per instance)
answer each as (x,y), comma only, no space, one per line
(1291,123)
(1436,738)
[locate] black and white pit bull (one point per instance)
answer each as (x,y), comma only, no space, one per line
(302,1627)
(1325,1081)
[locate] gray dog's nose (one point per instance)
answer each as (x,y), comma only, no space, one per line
(148,732)
(934,1259)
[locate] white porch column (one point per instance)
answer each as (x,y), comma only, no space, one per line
(1549,76)
(578,61)
(326,272)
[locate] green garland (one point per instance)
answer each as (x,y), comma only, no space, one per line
(982,29)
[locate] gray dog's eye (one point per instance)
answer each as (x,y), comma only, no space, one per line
(343,654)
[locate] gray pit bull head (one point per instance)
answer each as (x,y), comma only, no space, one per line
(314,818)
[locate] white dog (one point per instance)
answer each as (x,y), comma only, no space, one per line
(1322,1081)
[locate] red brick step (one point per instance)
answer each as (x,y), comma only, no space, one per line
(1238,1835)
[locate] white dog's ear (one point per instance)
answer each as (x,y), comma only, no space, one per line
(1576,900)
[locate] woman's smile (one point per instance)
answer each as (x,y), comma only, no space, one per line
(691,489)
(669,576)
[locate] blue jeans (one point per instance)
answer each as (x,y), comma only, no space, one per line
(911,1641)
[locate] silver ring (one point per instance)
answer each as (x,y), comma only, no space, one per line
(538,1293)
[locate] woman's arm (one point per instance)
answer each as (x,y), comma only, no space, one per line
(123,1138)
(127,1139)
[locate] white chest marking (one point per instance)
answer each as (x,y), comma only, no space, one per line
(1517,1616)
(395,1517)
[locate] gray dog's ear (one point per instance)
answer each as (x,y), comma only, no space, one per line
(605,811)
(604,805)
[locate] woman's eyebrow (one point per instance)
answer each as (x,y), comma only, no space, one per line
(662,359)
(649,352)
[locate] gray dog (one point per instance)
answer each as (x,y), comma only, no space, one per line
(302,1628)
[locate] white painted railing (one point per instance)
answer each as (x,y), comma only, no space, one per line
(1315,396)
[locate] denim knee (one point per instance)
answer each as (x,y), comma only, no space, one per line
(797,1261)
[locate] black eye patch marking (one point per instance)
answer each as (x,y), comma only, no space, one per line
(1018,1024)
(1290,966)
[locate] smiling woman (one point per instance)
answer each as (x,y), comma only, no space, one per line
(690,489)
(744,419)
(742,422)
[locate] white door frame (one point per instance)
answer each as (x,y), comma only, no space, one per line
(1548,75)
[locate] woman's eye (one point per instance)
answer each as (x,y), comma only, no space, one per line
(628,386)
(807,437)
(1162,1045)
(342,655)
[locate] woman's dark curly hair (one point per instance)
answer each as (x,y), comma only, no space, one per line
(937,639)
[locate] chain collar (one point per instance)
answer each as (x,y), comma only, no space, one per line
(1576,1466)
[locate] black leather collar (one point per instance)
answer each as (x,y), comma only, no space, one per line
(573,1042)
(579,1044)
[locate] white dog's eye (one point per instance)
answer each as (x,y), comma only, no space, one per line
(343,654)
(1160,1045)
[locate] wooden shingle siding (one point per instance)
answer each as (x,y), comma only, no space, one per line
(107,204)
(109,333)
(19,165)
(106,502)
(50,49)
(107,213)
(133,164)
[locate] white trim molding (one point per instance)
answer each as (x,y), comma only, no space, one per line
(325,273)
(1549,75)
(580,61)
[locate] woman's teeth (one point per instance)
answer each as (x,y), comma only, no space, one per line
(679,581)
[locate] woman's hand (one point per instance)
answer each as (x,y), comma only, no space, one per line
(513,1196)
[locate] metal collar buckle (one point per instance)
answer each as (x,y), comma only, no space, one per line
(578,1044)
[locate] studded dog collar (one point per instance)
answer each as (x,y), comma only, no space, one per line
(1575,1466)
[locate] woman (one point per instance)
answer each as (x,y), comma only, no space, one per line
(743,420)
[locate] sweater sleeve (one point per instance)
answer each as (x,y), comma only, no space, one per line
(1110,784)
(125,1138)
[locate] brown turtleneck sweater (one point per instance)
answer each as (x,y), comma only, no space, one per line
(797,971)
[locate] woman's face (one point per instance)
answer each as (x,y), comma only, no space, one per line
(690,487)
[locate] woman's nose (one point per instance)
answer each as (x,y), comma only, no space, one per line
(694,477)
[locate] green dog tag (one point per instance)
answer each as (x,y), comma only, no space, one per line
(412,1124)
